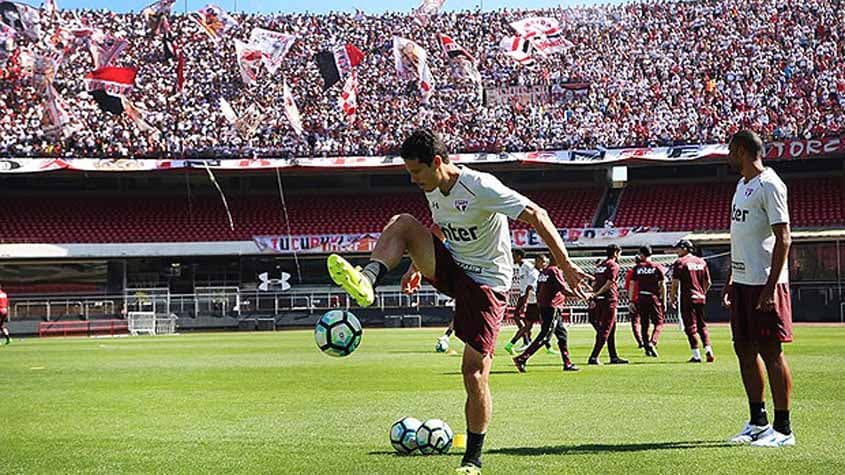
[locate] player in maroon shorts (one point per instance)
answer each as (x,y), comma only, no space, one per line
(531,315)
(602,306)
(633,311)
(691,277)
(651,297)
(4,315)
(551,295)
(757,290)
(473,265)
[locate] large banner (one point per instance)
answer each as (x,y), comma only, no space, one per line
(798,149)
(787,150)
(559,93)
(521,238)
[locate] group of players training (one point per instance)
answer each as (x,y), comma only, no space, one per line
(467,255)
(543,291)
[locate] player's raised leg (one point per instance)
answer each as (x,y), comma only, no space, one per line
(402,234)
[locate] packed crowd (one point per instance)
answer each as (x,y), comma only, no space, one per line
(660,72)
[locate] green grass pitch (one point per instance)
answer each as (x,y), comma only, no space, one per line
(272,403)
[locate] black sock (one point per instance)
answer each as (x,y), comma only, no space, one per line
(781,423)
(514,340)
(448,332)
(758,413)
(473,453)
(374,271)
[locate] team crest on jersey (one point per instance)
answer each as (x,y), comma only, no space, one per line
(461,205)
(748,192)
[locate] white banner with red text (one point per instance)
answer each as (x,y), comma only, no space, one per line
(520,238)
(775,151)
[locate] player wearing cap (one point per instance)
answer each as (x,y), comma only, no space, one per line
(691,277)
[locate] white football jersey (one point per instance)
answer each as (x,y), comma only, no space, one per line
(523,274)
(531,281)
(757,205)
(474,218)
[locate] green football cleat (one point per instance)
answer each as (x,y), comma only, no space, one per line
(351,280)
(552,351)
(509,349)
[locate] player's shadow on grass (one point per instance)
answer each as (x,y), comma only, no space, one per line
(598,448)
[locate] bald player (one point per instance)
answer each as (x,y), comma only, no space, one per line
(757,290)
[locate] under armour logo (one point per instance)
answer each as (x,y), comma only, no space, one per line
(266,282)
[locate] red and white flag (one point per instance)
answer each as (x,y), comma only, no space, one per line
(544,33)
(56,115)
(105,48)
(249,60)
(291,110)
(461,64)
(349,97)
(157,15)
(412,63)
(273,45)
(109,85)
(517,48)
(426,9)
(214,21)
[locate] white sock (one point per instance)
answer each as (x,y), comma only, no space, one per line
(708,349)
(696,353)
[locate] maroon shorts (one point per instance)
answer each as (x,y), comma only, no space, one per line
(478,308)
(532,313)
(692,314)
(650,308)
(602,314)
(751,325)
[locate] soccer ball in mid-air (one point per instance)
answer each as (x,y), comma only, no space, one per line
(442,345)
(338,333)
(403,435)
(434,436)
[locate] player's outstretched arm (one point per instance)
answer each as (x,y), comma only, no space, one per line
(539,219)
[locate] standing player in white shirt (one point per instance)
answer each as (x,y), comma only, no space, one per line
(757,291)
(527,277)
(473,264)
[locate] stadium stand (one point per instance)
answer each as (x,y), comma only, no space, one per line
(162,218)
(813,202)
(777,68)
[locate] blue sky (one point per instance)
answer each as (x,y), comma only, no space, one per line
(319,6)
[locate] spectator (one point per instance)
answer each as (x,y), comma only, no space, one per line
(659,74)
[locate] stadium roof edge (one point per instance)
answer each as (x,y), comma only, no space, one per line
(803,235)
